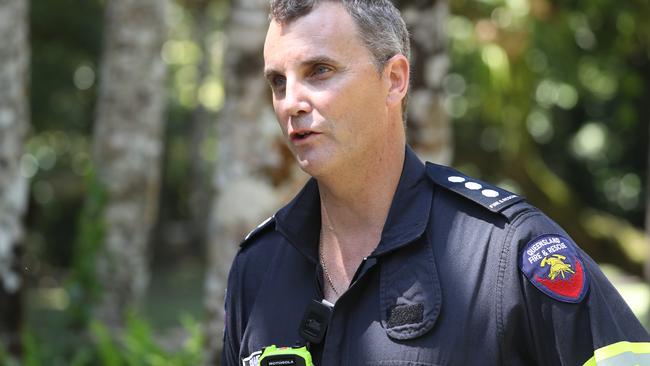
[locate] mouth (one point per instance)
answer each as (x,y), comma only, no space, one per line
(299,136)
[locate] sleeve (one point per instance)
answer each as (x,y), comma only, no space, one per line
(232,325)
(558,307)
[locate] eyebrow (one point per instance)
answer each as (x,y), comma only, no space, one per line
(319,59)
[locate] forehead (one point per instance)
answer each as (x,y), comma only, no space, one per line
(327,30)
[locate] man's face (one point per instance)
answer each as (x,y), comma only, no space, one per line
(328,96)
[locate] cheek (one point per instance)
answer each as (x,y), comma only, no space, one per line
(276,109)
(360,108)
(338,102)
(280,118)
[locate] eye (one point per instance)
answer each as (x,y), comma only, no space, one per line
(321,70)
(277,82)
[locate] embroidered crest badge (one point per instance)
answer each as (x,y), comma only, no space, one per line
(552,264)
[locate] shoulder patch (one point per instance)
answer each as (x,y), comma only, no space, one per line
(259,229)
(552,264)
(491,197)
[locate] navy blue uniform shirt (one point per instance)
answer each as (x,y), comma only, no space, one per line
(464,274)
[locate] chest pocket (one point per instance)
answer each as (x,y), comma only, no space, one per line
(409,292)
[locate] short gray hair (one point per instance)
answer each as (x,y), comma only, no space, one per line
(379,23)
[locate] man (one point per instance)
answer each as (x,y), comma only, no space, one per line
(424,265)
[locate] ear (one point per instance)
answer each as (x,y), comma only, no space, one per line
(397,71)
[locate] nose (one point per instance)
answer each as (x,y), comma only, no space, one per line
(296,101)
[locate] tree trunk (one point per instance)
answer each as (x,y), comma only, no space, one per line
(647,216)
(255,172)
(127,147)
(429,130)
(14,124)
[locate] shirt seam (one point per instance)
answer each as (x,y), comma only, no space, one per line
(503,260)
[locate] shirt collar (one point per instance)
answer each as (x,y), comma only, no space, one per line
(409,212)
(299,221)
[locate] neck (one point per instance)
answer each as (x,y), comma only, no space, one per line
(359,201)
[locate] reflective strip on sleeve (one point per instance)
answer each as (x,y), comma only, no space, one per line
(621,354)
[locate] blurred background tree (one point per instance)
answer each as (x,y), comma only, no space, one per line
(127,149)
(249,156)
(429,127)
(545,98)
(14,125)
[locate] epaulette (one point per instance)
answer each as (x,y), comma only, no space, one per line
(266,224)
(491,197)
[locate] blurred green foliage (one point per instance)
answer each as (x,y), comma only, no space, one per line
(566,82)
(65,49)
(135,346)
(82,285)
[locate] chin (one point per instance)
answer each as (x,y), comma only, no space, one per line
(308,167)
(314,166)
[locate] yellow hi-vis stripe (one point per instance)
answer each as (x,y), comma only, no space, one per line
(616,349)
